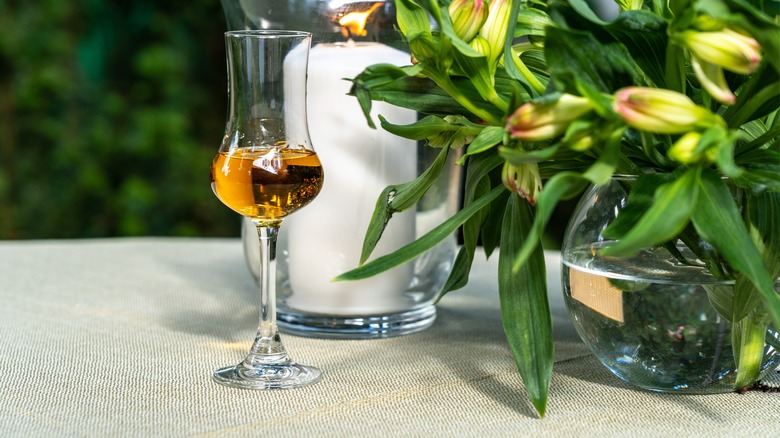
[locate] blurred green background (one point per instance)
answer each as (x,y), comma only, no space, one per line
(110,114)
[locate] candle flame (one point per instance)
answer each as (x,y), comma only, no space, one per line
(354,23)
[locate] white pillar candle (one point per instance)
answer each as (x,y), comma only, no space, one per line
(325,238)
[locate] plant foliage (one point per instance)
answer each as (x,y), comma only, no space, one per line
(549,98)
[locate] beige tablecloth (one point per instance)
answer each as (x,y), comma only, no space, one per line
(118,337)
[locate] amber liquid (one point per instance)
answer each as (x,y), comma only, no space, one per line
(266,183)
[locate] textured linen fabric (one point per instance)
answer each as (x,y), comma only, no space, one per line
(119,337)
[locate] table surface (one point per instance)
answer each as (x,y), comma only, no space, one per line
(113,337)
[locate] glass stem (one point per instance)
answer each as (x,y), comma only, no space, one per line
(267,348)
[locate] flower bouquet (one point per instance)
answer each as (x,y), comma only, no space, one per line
(543,99)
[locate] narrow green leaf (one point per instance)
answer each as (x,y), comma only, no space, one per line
(745,298)
(459,274)
(397,198)
(487,138)
(412,18)
(717,219)
(640,198)
(519,157)
(430,126)
(424,243)
(666,218)
(562,185)
(644,35)
(566,184)
(530,17)
(584,9)
(476,186)
(531,21)
(491,234)
(525,311)
(721,298)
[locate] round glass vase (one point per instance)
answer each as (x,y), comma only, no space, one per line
(648,318)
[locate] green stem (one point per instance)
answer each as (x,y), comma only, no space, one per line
(748,337)
(675,69)
(527,75)
(443,81)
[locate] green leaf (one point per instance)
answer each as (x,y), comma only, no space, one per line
(431,126)
(525,311)
(578,55)
(459,274)
(562,185)
(424,243)
(531,22)
(762,215)
(476,186)
(519,157)
(397,198)
(717,219)
(763,88)
(640,198)
(565,185)
(373,77)
(643,33)
(584,9)
(721,298)
(412,18)
(490,233)
(489,137)
(668,215)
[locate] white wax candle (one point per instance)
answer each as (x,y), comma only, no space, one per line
(325,238)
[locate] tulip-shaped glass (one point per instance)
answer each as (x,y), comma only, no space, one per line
(266,169)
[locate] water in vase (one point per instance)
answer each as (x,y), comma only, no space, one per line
(649,320)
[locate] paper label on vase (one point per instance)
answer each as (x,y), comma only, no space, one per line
(596,292)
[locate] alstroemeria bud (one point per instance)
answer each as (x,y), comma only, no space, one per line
(662,111)
(684,149)
(524,179)
(480,45)
(495,27)
(542,121)
(726,48)
(713,81)
(468,16)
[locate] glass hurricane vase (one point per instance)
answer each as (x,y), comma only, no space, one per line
(325,240)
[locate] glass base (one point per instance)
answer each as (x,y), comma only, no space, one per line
(355,327)
(285,376)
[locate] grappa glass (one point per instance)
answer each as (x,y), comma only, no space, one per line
(266,169)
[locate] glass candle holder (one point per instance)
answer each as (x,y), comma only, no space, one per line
(325,240)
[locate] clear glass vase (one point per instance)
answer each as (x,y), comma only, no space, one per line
(648,318)
(325,239)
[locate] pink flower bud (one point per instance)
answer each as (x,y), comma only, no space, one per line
(468,16)
(713,81)
(726,48)
(543,121)
(524,179)
(684,149)
(495,27)
(661,111)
